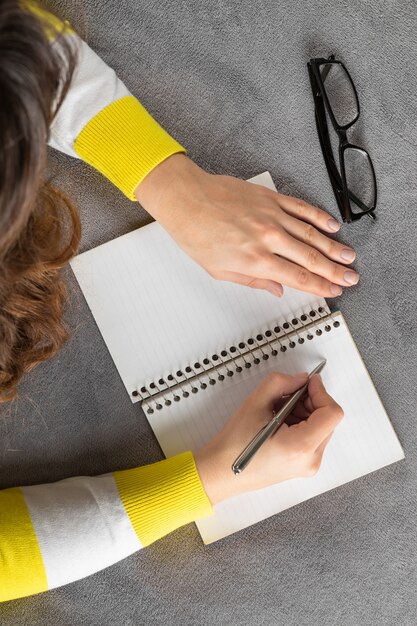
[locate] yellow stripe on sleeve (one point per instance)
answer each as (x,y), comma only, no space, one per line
(161,497)
(22,572)
(125,143)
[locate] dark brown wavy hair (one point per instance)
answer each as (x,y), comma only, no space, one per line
(39,227)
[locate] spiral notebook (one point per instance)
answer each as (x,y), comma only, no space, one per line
(190,348)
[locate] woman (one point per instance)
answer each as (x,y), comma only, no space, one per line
(54,88)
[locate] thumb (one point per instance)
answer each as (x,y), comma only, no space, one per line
(275,288)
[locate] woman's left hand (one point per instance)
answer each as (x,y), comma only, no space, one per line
(245,233)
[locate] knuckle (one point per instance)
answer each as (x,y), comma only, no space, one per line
(301,205)
(333,248)
(309,233)
(336,272)
(271,233)
(302,277)
(313,257)
(274,377)
(318,215)
(267,232)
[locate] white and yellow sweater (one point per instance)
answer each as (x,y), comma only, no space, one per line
(56,533)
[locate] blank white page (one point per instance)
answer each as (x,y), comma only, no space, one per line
(158,310)
(363,442)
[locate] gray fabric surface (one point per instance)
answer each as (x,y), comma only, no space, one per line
(228,79)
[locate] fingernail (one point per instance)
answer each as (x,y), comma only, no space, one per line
(335,290)
(348,254)
(351,277)
(333,224)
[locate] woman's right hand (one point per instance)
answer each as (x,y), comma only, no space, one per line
(294,451)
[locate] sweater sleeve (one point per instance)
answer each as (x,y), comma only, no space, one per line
(54,534)
(101,122)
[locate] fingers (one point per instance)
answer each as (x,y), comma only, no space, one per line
(318,395)
(308,405)
(315,251)
(287,249)
(275,288)
(309,235)
(308,213)
(300,411)
(269,266)
(312,259)
(325,417)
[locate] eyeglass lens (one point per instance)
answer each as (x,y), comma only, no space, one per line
(359,178)
(340,93)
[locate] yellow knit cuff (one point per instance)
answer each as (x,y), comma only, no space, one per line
(161,497)
(22,571)
(125,143)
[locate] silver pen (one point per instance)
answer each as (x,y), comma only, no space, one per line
(267,431)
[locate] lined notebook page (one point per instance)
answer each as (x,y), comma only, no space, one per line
(363,442)
(158,310)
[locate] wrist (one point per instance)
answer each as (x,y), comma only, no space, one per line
(159,191)
(216,475)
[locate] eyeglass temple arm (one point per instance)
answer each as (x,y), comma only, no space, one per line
(321,123)
(323,133)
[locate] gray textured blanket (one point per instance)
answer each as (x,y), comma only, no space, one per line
(228,79)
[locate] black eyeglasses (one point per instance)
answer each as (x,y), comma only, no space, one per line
(353,179)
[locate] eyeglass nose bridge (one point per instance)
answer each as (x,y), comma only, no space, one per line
(342,134)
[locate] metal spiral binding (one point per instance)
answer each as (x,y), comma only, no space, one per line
(227,363)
